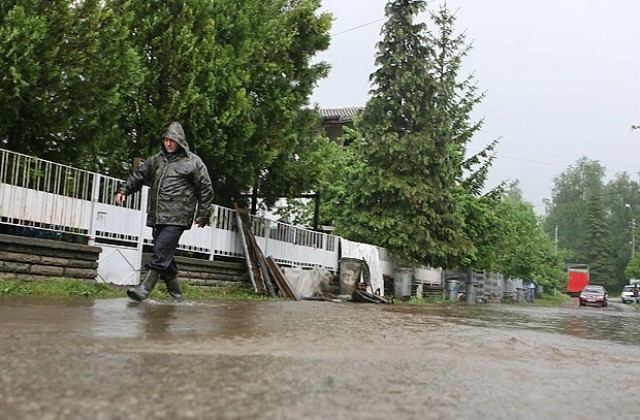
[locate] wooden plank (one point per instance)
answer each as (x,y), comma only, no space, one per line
(260,262)
(258,286)
(260,271)
(281,280)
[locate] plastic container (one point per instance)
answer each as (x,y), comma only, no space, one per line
(350,274)
(402,282)
(452,288)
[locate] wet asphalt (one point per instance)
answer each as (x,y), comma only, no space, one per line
(116,359)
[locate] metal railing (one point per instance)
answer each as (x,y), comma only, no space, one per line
(46,196)
(39,194)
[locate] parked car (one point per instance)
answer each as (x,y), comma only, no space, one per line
(628,294)
(594,295)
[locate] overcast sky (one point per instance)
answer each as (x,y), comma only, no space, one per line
(561,77)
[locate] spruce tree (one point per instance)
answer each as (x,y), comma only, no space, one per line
(598,240)
(407,195)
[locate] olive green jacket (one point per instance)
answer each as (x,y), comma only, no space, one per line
(180,186)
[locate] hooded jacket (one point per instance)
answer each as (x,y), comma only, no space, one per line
(180,187)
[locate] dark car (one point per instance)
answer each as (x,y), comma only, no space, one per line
(594,295)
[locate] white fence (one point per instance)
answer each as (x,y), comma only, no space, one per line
(35,193)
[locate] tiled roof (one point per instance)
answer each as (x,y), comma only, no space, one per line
(341,113)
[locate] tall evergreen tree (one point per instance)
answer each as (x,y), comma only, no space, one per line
(622,202)
(414,127)
(597,239)
(579,215)
(567,210)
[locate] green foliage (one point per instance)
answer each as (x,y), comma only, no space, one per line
(339,165)
(400,201)
(92,83)
(592,220)
(68,67)
(632,270)
(515,244)
(622,200)
(409,194)
(598,236)
(237,74)
(568,210)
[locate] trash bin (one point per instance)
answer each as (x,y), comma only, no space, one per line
(520,294)
(350,272)
(402,282)
(471,292)
(452,287)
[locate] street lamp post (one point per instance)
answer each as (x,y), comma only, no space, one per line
(633,231)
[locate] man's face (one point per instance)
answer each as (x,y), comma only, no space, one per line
(170,146)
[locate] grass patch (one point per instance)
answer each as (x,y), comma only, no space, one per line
(551,300)
(58,288)
(425,300)
(87,289)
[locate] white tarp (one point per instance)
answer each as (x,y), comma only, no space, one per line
(308,283)
(368,253)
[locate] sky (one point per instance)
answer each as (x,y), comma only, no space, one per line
(561,79)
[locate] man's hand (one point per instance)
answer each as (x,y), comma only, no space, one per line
(120,198)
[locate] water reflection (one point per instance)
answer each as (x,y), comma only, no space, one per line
(156,320)
(109,319)
(165,320)
(615,323)
(113,318)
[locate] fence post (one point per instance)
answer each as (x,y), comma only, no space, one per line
(95,193)
(144,197)
(214,226)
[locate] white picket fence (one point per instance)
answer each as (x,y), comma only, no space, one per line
(35,193)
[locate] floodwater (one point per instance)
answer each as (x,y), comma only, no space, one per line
(116,359)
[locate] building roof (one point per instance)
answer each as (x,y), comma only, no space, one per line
(341,114)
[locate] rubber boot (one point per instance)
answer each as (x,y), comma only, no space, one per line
(143,291)
(173,287)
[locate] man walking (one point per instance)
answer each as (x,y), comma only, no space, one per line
(180,195)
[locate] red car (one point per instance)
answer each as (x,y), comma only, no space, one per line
(594,296)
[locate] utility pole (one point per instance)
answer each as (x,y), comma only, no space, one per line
(633,238)
(633,231)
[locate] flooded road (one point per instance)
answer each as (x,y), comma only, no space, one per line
(116,359)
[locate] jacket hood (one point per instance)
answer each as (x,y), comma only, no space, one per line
(175,132)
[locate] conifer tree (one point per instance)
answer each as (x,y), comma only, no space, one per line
(597,236)
(407,196)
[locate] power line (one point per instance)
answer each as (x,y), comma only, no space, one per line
(358,27)
(537,162)
(560,165)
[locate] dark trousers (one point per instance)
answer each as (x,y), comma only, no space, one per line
(165,242)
